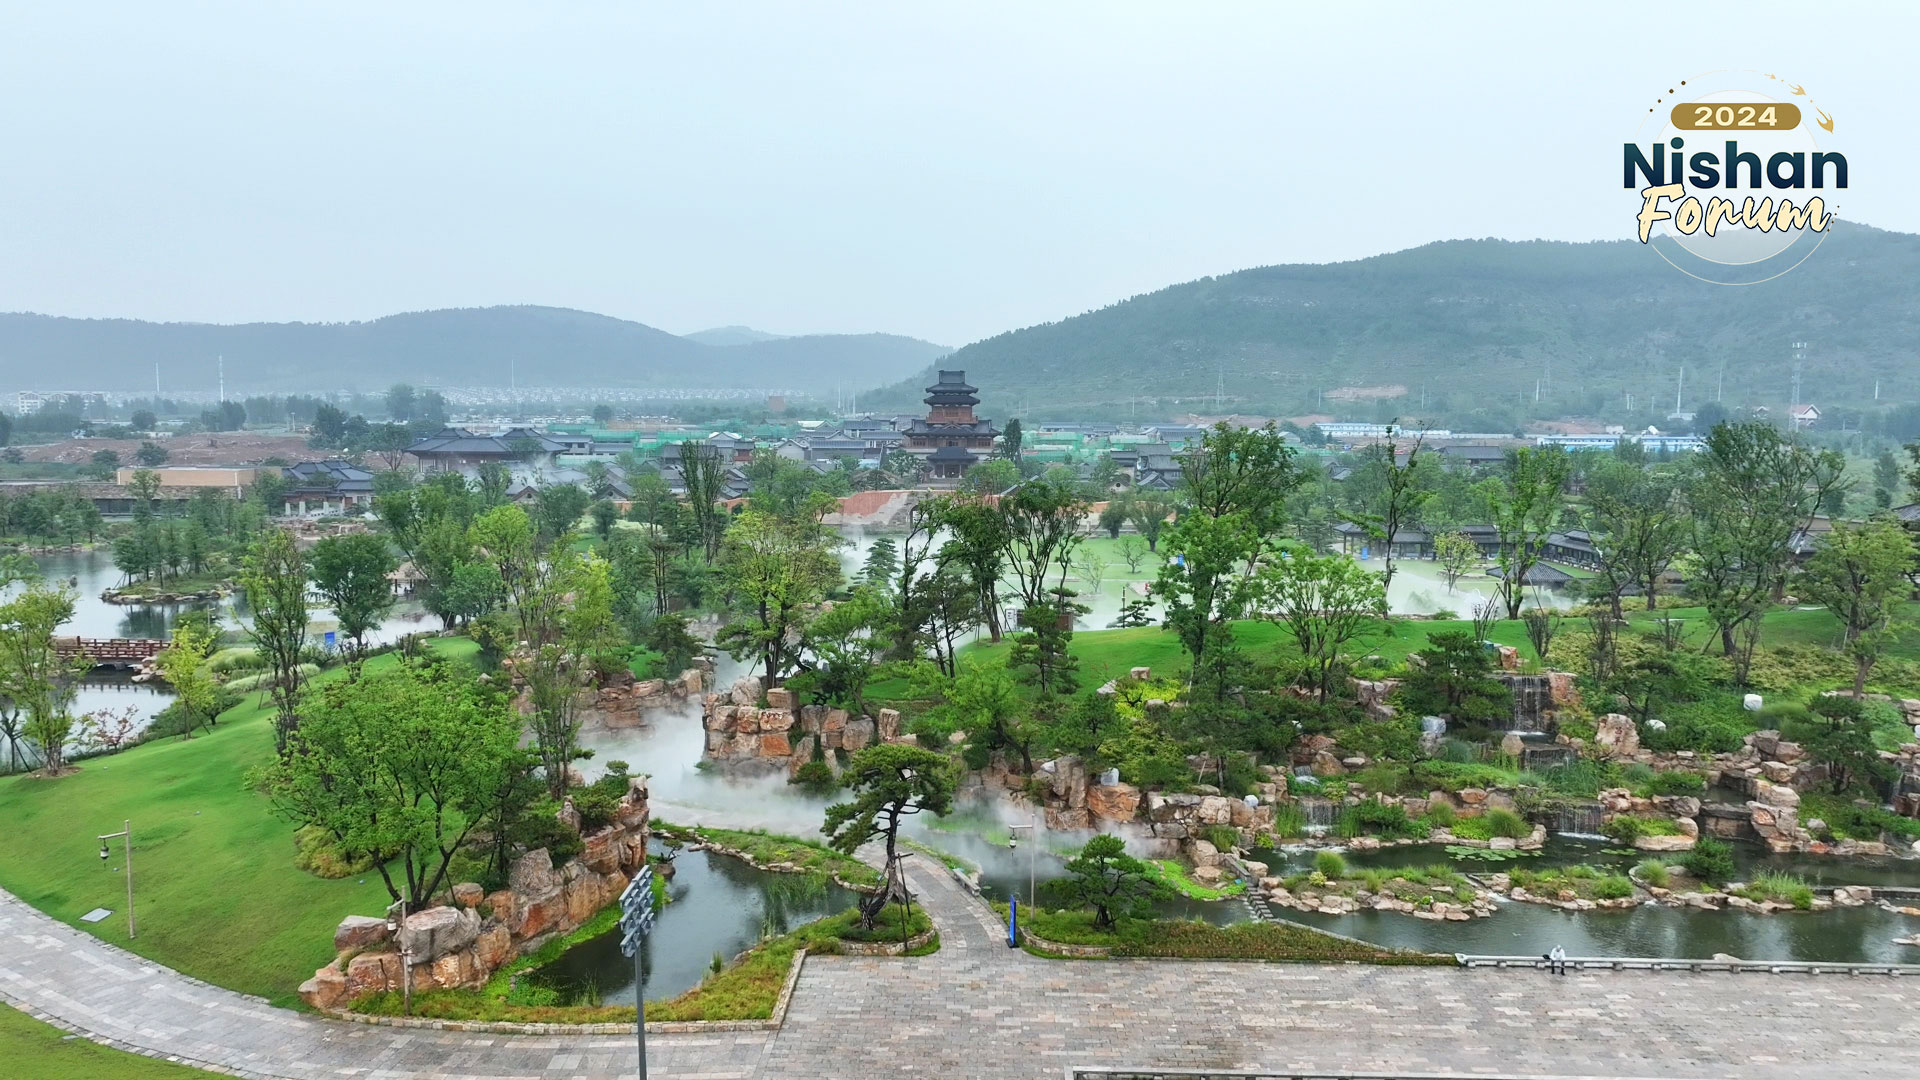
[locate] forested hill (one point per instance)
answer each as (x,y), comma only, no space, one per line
(540,346)
(1476,322)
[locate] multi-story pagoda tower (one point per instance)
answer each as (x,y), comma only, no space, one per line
(951,438)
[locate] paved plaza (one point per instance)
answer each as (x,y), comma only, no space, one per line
(978,1009)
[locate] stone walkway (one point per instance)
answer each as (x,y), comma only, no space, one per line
(979,1009)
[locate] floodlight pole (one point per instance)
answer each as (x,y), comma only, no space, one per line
(125,834)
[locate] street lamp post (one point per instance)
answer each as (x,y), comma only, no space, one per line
(125,834)
(1033,841)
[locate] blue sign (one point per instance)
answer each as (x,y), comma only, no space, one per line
(330,641)
(1013,921)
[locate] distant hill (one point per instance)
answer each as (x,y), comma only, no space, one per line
(1476,323)
(540,346)
(731,335)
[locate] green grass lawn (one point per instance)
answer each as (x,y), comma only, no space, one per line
(40,1052)
(216,893)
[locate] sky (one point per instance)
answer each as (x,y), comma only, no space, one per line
(947,171)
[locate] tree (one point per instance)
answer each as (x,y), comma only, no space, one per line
(1149,513)
(35,679)
(652,499)
(1200,589)
(1010,440)
(1042,650)
(143,420)
(1238,470)
(1455,553)
(351,572)
(889,784)
(275,579)
(400,402)
(1113,516)
(847,642)
(105,464)
(151,455)
(777,570)
(882,563)
(400,768)
(329,427)
(270,491)
(1042,531)
(1455,679)
(1886,479)
(1859,573)
(389,442)
(1111,882)
(1400,498)
(144,486)
(1636,523)
(990,477)
(703,474)
(558,507)
(1525,512)
(602,414)
(979,547)
(1325,601)
(1750,491)
(183,663)
(1091,568)
(1838,733)
(1133,552)
(604,514)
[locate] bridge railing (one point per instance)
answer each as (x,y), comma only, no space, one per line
(1625,963)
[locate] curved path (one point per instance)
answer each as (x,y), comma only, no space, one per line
(979,1009)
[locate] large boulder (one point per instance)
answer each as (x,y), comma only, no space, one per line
(1203,853)
(1776,795)
(326,989)
(775,745)
(1069,819)
(1616,736)
(888,721)
(857,735)
(1113,802)
(1665,843)
(437,931)
(1215,810)
(370,973)
(780,698)
(357,932)
(532,874)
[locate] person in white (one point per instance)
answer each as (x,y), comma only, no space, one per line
(1557,961)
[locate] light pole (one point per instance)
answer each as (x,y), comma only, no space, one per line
(1033,841)
(126,834)
(396,923)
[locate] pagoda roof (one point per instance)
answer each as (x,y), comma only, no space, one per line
(952,382)
(953,453)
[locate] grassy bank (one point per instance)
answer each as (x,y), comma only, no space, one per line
(215,889)
(768,849)
(37,1051)
(1195,940)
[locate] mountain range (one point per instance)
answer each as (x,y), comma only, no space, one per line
(495,346)
(1490,329)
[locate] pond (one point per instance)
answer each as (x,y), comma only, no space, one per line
(1849,935)
(720,905)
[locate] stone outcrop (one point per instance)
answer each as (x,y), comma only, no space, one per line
(462,941)
(1615,735)
(745,735)
(626,703)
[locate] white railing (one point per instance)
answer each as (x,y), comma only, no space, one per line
(1623,963)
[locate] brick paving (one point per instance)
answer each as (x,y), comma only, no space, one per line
(978,1009)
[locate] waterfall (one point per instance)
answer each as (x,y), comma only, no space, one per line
(1532,700)
(1539,757)
(1579,819)
(1319,813)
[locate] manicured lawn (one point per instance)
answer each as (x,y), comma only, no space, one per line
(769,848)
(35,1051)
(216,893)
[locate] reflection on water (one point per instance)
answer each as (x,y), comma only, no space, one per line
(720,905)
(1850,935)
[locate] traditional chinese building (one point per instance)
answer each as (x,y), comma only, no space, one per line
(950,438)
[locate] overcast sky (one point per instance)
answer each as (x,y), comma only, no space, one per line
(944,171)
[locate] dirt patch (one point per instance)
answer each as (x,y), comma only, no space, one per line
(226,448)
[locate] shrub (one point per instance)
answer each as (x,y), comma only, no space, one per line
(1711,860)
(1506,823)
(314,852)
(1675,782)
(1582,777)
(816,777)
(595,805)
(1330,864)
(1613,887)
(1289,821)
(1704,727)
(1387,778)
(1397,739)
(1224,837)
(1627,828)
(1654,873)
(1850,820)
(1440,814)
(1372,818)
(1453,776)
